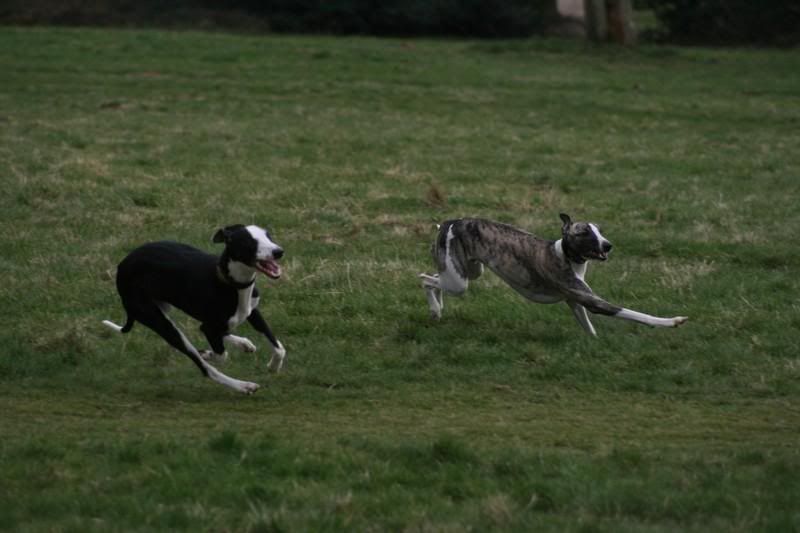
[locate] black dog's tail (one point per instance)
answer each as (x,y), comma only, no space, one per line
(120,329)
(127,293)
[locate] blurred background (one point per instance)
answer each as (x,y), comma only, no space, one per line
(707,22)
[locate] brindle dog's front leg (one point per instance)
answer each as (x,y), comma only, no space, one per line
(595,304)
(582,317)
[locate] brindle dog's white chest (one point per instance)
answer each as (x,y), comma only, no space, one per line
(579,269)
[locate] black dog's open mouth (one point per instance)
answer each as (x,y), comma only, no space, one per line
(269,268)
(600,256)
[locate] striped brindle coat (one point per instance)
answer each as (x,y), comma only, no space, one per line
(541,270)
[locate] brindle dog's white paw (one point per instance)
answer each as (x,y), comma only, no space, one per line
(678,320)
(249,387)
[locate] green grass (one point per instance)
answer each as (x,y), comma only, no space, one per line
(501,416)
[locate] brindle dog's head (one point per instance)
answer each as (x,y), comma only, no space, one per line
(582,241)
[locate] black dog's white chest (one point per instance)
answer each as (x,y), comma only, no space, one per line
(246,300)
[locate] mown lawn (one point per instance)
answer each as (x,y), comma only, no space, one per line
(503,415)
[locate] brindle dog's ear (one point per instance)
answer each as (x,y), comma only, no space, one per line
(567,223)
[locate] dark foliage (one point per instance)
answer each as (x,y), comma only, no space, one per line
(468,18)
(767,22)
(479,18)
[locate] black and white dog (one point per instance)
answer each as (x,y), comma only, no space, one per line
(541,270)
(219,291)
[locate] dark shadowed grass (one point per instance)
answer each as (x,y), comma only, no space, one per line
(503,415)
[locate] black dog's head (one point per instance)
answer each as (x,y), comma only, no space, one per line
(582,240)
(251,246)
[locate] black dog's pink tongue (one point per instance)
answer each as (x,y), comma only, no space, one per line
(270,268)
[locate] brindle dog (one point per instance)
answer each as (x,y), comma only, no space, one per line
(541,270)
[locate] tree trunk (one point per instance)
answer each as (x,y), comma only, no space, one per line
(619,14)
(610,20)
(596,24)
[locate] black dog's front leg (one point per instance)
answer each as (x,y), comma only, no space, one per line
(278,352)
(214,337)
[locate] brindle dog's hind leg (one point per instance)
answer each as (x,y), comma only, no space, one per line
(455,270)
(474,269)
(449,281)
(434,294)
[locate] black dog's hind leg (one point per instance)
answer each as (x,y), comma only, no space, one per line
(154,318)
(278,351)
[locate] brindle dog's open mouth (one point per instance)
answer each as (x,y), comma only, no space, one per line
(269,267)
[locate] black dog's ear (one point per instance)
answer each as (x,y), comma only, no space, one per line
(222,235)
(219,236)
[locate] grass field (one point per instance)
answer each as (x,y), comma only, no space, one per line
(503,415)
